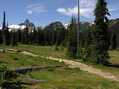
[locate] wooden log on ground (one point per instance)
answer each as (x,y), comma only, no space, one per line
(24,70)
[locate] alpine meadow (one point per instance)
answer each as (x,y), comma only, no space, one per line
(78,49)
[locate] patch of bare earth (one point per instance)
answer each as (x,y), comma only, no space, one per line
(21,52)
(27,53)
(87,68)
(74,64)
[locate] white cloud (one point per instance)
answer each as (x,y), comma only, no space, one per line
(29,12)
(86,9)
(37,7)
(61,10)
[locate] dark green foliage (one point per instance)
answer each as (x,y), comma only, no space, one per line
(8,79)
(7,36)
(54,34)
(26,35)
(72,39)
(4,20)
(100,45)
(18,36)
(13,39)
(3,28)
(34,36)
(1,37)
(39,38)
(117,40)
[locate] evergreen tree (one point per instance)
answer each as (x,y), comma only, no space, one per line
(23,37)
(117,40)
(100,45)
(8,79)
(34,37)
(1,37)
(87,39)
(7,36)
(3,29)
(13,39)
(53,37)
(26,35)
(18,36)
(72,39)
(38,38)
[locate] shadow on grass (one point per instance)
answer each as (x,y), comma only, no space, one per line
(113,65)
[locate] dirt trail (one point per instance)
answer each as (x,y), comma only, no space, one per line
(87,68)
(74,64)
(21,52)
(27,53)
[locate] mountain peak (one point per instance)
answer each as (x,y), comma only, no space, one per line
(27,23)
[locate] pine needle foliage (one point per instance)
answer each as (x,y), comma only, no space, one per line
(100,43)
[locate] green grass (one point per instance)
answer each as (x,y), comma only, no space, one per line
(63,77)
(40,50)
(72,79)
(114,57)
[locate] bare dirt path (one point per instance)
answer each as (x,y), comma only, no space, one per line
(74,64)
(87,68)
(27,53)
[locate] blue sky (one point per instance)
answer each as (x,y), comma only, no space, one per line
(43,12)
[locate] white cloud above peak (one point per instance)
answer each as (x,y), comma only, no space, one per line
(86,9)
(29,12)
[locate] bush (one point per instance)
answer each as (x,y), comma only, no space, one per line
(8,79)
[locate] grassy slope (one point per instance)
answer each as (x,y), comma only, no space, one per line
(59,78)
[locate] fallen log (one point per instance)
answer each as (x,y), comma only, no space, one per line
(24,70)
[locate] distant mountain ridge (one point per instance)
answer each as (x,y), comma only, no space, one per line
(112,25)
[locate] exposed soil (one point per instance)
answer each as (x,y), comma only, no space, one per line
(87,68)
(21,52)
(82,66)
(27,53)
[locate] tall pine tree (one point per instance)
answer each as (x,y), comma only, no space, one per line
(100,45)
(13,39)
(72,39)
(3,30)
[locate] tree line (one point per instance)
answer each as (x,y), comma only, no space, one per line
(49,36)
